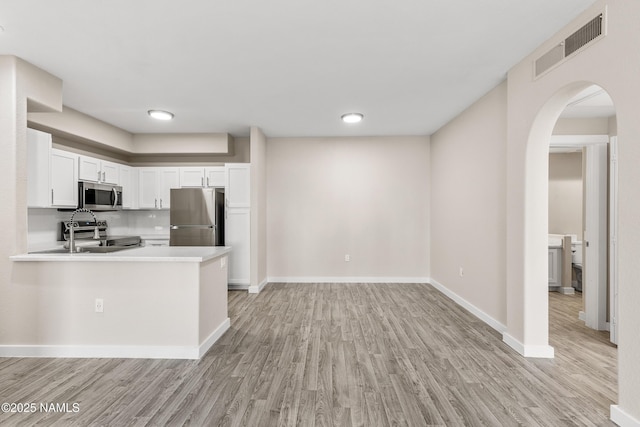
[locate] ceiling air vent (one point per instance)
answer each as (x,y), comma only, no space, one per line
(582,37)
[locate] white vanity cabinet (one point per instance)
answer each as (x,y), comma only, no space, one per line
(52,174)
(154,186)
(96,170)
(555,267)
(212,176)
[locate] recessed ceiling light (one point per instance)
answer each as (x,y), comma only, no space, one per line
(352,117)
(160,115)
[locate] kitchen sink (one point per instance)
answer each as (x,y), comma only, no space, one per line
(87,249)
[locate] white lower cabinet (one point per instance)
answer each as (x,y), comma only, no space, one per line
(555,270)
(238,236)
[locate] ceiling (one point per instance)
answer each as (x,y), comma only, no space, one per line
(291,67)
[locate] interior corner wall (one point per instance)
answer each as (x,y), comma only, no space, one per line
(366,197)
(611,62)
(258,245)
(468,170)
(22,85)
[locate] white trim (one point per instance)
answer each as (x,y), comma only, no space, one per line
(566,290)
(237,287)
(577,140)
(623,419)
(538,351)
(215,336)
(595,235)
(259,288)
(582,316)
(468,306)
(324,279)
(117,351)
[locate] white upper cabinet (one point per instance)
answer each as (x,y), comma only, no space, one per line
(215,176)
(38,169)
(96,170)
(238,185)
(52,174)
(129,184)
(192,177)
(64,179)
(154,186)
(212,176)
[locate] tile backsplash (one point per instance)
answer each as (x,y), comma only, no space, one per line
(44,224)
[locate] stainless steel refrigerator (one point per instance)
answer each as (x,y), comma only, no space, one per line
(197,217)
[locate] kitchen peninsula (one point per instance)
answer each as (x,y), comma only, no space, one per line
(145,302)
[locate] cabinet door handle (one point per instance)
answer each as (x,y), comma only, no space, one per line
(52,196)
(160,203)
(156,203)
(208,182)
(202,181)
(104,176)
(98,175)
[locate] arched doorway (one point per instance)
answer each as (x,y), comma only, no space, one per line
(536,226)
(583,206)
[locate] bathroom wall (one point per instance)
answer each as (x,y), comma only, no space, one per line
(565,193)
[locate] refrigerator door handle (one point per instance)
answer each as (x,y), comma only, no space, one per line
(178,227)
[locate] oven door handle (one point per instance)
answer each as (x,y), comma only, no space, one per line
(115,197)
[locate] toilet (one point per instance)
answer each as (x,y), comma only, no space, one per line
(576,265)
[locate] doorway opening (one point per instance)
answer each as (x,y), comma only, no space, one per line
(582,206)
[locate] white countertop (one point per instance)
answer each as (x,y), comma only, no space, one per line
(138,254)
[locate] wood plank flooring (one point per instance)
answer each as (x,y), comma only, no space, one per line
(337,355)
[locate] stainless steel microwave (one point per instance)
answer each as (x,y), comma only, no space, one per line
(99,197)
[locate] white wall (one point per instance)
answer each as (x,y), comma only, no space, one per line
(534,106)
(468,193)
(366,197)
(565,193)
(258,143)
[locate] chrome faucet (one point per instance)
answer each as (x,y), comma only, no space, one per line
(72,242)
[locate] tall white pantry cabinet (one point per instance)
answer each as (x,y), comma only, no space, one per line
(238,222)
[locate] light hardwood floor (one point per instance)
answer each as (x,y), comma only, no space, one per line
(333,355)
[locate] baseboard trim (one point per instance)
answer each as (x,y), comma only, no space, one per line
(259,288)
(582,316)
(356,279)
(536,351)
(623,419)
(117,351)
(567,290)
(469,307)
(214,337)
(237,287)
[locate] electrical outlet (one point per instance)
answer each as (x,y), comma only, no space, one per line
(461,272)
(347,258)
(99,305)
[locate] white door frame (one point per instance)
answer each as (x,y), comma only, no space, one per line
(594,240)
(613,239)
